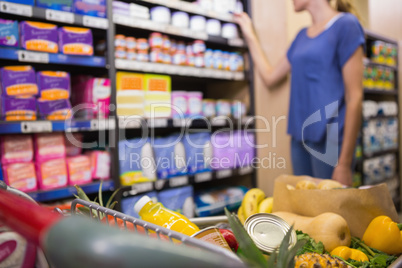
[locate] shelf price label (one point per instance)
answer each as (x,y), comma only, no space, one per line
(225,173)
(236,42)
(156,123)
(182,122)
(28,56)
(16,9)
(142,187)
(99,124)
(36,127)
(59,16)
(245,170)
(203,177)
(159,184)
(95,22)
(178,181)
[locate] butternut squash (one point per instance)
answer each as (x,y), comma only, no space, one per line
(329,228)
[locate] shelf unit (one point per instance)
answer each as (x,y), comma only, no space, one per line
(381,95)
(108,66)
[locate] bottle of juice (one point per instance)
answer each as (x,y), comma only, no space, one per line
(157,214)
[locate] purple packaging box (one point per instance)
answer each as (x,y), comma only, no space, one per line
(53,85)
(9,33)
(18,81)
(96,8)
(39,36)
(54,109)
(18,108)
(76,41)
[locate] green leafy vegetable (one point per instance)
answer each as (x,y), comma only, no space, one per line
(310,244)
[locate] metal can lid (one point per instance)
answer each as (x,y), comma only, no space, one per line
(268,231)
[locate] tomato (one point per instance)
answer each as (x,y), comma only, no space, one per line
(230,239)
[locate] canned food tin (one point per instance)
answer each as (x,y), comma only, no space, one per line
(268,231)
(213,236)
(120,41)
(156,40)
(120,53)
(131,54)
(142,55)
(142,44)
(131,43)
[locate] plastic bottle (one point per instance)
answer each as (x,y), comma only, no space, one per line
(157,214)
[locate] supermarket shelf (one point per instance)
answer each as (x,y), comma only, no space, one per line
(380,153)
(138,122)
(55,126)
(67,192)
(380,92)
(185,180)
(191,8)
(41,57)
(373,63)
(170,69)
(382,116)
(53,15)
(172,30)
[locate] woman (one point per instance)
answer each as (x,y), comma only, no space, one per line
(326,64)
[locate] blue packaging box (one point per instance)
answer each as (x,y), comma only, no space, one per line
(95,8)
(62,5)
(24,2)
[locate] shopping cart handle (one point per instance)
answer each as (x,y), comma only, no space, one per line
(3,185)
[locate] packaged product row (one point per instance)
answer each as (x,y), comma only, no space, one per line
(143,159)
(96,8)
(384,53)
(378,77)
(379,168)
(50,161)
(190,203)
(163,16)
(380,134)
(160,48)
(373,108)
(151,96)
(46,37)
(26,94)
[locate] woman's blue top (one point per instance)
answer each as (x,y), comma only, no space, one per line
(317,98)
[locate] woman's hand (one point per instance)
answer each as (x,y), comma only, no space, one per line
(343,174)
(246,25)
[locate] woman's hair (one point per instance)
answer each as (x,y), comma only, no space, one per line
(345,6)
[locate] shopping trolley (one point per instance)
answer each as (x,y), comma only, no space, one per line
(78,242)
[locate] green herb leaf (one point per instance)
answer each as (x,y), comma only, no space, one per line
(111,198)
(249,251)
(310,246)
(100,194)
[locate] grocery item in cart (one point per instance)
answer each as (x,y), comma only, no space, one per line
(212,235)
(128,203)
(157,214)
(15,251)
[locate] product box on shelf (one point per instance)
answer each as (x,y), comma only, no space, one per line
(179,104)
(9,33)
(79,170)
(23,2)
(170,157)
(62,5)
(194,107)
(73,143)
(18,81)
(157,96)
(94,94)
(16,109)
(100,164)
(54,109)
(53,85)
(16,149)
(179,200)
(198,152)
(52,173)
(95,8)
(130,94)
(76,41)
(21,176)
(39,36)
(49,146)
(137,161)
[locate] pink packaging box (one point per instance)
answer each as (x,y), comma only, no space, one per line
(94,93)
(76,148)
(100,164)
(79,170)
(21,176)
(52,174)
(16,149)
(49,146)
